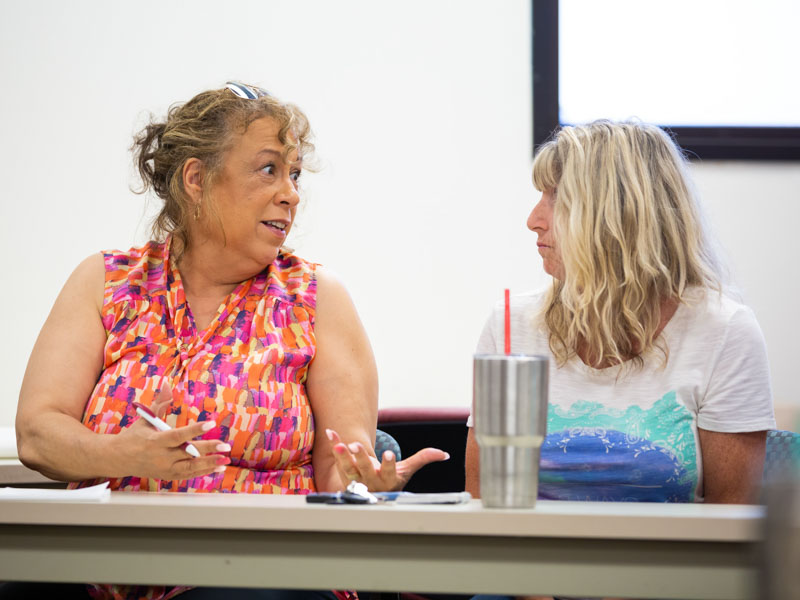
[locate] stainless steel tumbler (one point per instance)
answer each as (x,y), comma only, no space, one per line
(510,422)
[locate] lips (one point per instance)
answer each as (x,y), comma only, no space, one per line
(276,224)
(276,227)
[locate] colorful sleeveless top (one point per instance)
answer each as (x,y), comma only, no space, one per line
(246,371)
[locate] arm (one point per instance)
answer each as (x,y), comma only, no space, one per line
(733,464)
(342,386)
(472,466)
(735,413)
(342,380)
(64,366)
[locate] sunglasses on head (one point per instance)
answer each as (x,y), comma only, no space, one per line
(248,92)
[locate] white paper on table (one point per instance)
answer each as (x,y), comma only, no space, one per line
(95,493)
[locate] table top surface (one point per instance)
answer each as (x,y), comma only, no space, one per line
(606,520)
(14,472)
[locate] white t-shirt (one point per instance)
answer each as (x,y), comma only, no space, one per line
(632,435)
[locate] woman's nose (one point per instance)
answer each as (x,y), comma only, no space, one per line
(288,193)
(535,219)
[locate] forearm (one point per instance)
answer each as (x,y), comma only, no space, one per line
(472,482)
(62,448)
(327,478)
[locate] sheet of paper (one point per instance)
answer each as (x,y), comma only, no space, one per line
(429,498)
(96,493)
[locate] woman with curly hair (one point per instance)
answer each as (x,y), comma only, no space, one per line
(254,356)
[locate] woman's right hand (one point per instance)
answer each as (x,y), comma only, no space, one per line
(356,463)
(156,454)
(62,372)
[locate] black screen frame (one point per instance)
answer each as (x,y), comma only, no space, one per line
(712,143)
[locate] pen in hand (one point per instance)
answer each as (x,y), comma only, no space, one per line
(149,416)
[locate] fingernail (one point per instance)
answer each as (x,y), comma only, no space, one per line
(223,447)
(329,433)
(208,425)
(223,460)
(339,449)
(446,455)
(219,470)
(355,447)
(388,455)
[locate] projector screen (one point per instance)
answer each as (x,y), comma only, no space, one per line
(718,74)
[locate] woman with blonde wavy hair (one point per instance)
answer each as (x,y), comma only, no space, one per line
(659,380)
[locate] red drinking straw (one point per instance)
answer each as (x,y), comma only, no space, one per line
(508,323)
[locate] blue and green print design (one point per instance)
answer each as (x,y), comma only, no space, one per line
(593,452)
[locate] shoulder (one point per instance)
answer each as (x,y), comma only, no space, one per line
(711,314)
(722,342)
(336,317)
(290,266)
(525,311)
(153,253)
(331,291)
(522,305)
(293,279)
(528,335)
(136,272)
(528,303)
(91,269)
(88,279)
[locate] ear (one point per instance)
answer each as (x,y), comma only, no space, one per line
(194,172)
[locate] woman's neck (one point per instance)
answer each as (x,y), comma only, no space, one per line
(207,270)
(207,282)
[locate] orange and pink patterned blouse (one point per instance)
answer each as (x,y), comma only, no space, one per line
(246,371)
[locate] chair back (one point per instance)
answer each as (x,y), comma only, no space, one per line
(783,454)
(416,428)
(384,442)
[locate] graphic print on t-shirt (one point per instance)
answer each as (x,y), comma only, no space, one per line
(600,453)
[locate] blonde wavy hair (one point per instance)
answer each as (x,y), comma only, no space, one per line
(631,236)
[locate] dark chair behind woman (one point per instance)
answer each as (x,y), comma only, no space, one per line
(442,427)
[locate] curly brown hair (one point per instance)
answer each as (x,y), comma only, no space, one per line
(204,128)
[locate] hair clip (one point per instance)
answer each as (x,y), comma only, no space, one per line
(248,92)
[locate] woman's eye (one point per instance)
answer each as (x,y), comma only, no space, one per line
(295,175)
(269,169)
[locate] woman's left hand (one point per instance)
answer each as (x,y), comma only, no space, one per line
(355,463)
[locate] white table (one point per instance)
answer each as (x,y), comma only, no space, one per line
(572,548)
(13,472)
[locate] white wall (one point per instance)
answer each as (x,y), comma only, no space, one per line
(755,208)
(422,116)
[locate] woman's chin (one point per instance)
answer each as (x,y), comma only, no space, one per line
(555,271)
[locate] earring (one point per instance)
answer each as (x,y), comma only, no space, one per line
(197,212)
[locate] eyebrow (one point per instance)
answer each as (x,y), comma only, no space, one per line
(272,152)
